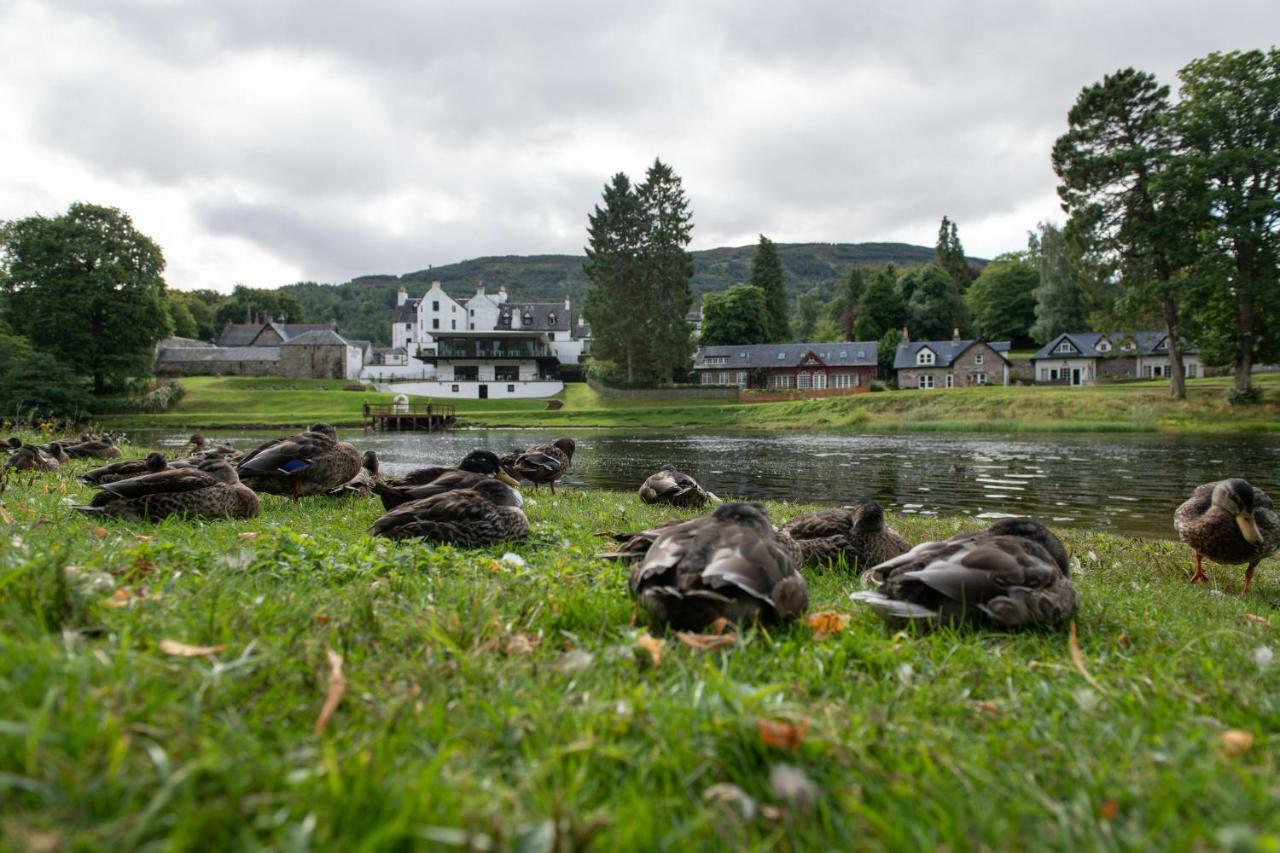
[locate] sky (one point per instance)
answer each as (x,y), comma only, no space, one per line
(264,142)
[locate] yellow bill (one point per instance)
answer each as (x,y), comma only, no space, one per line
(1249,528)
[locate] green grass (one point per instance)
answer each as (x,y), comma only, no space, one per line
(958,739)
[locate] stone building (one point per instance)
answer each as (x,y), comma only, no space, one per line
(850,364)
(951,364)
(299,351)
(1087,358)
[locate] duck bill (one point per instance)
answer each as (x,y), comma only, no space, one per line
(1249,528)
(504,477)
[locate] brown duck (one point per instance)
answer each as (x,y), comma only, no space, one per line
(485,514)
(211,490)
(857,534)
(1011,575)
(543,463)
(310,463)
(94,448)
(671,486)
(124,470)
(1231,522)
(727,564)
(28,457)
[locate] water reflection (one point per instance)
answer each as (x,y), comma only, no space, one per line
(1125,483)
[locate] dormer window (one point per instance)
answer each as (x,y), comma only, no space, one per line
(781,356)
(1104,345)
(844,353)
(1129,346)
(862,353)
(551,318)
(925,358)
(1065,346)
(528,318)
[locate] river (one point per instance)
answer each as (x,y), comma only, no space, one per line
(1118,482)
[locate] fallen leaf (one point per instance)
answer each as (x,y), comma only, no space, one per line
(792,786)
(1073,643)
(769,812)
(1122,640)
(100,531)
(521,644)
(991,709)
(320,618)
(142,537)
(182,650)
(1235,742)
(249,536)
(124,596)
(720,625)
(653,646)
(729,794)
(1108,809)
(1258,620)
(706,642)
(826,623)
(781,733)
(5,517)
(574,660)
(336,690)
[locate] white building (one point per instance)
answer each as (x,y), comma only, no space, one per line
(489,365)
(416,321)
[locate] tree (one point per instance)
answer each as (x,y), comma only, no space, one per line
(1113,163)
(257,305)
(616,298)
(87,288)
(181,319)
(1227,123)
(1059,304)
(667,270)
(950,254)
(739,315)
(880,309)
(36,385)
(886,351)
(934,303)
(844,307)
(1002,299)
(808,311)
(766,274)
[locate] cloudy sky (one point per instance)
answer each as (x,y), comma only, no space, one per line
(268,141)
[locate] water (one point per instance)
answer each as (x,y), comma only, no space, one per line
(1122,483)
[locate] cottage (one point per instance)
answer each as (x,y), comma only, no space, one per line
(951,364)
(298,350)
(1087,358)
(847,365)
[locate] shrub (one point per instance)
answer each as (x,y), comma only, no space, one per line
(1250,396)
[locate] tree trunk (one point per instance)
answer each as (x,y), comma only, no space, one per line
(631,371)
(1177,375)
(99,384)
(1244,323)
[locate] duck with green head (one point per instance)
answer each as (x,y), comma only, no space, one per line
(1231,522)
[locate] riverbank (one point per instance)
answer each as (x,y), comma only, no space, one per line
(494,700)
(229,402)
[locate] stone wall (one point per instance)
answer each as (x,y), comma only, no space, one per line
(694,392)
(313,362)
(219,368)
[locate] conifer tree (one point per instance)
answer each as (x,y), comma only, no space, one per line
(767,274)
(667,270)
(950,254)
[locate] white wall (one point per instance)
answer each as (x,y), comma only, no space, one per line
(471,390)
(567,350)
(482,312)
(387,373)
(1085,366)
(1162,362)
(355,361)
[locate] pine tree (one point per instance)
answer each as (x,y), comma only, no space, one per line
(767,274)
(667,271)
(1059,303)
(617,291)
(950,254)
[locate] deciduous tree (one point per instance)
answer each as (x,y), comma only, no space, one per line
(1002,299)
(880,308)
(934,304)
(739,315)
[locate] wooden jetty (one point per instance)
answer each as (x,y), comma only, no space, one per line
(408,417)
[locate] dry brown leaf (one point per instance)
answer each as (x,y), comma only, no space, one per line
(705,642)
(1235,742)
(1258,620)
(100,531)
(124,596)
(826,623)
(336,690)
(720,625)
(1122,640)
(781,733)
(249,536)
(1073,643)
(4,515)
(182,650)
(991,709)
(521,644)
(653,646)
(1108,809)
(320,618)
(142,537)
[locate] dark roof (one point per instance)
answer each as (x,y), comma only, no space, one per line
(945,351)
(169,355)
(543,316)
(179,343)
(1086,345)
(244,334)
(406,313)
(390,351)
(848,353)
(317,338)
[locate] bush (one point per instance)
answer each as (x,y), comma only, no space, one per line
(1250,396)
(34,385)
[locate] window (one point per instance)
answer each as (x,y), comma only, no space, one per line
(1104,346)
(551,318)
(741,381)
(527,319)
(511,389)
(717,359)
(1065,346)
(1129,346)
(506,373)
(473,312)
(1192,370)
(926,357)
(466,372)
(782,356)
(978,358)
(435,305)
(455,388)
(454,324)
(925,381)
(845,380)
(435,324)
(950,381)
(979,379)
(844,353)
(803,379)
(782,380)
(819,380)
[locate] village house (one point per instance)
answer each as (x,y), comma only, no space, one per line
(489,364)
(296,350)
(1087,358)
(845,365)
(950,364)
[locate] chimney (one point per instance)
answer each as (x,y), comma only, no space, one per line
(955,335)
(566,302)
(480,289)
(502,293)
(402,296)
(906,338)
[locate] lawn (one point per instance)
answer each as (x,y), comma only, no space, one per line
(498,701)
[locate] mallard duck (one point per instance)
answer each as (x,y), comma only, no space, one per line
(727,564)
(484,462)
(1230,522)
(211,490)
(487,513)
(28,457)
(858,533)
(310,463)
(13,443)
(124,470)
(1013,574)
(670,486)
(55,450)
(93,448)
(544,463)
(202,449)
(365,482)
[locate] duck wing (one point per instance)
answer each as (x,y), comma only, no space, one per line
(169,481)
(287,456)
(817,525)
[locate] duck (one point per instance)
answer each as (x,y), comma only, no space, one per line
(1014,574)
(484,462)
(485,514)
(365,482)
(309,463)
(55,450)
(211,490)
(858,534)
(28,457)
(117,471)
(93,448)
(671,486)
(543,463)
(728,564)
(1232,523)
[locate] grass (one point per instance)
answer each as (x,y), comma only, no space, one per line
(453,733)
(1138,407)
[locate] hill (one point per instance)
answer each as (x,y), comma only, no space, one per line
(362,306)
